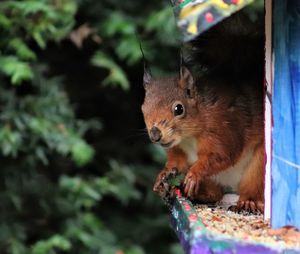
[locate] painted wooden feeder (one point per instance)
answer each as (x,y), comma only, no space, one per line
(282,123)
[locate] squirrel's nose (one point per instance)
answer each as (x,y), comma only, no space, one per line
(155,134)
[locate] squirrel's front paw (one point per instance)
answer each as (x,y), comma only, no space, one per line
(161,184)
(192,184)
(164,185)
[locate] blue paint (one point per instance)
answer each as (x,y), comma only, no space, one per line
(286,114)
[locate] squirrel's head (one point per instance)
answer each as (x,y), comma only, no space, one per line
(170,107)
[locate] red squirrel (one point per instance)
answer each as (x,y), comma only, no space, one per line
(212,130)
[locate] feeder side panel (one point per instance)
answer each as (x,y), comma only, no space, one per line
(286,114)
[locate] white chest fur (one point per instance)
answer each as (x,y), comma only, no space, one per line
(189,146)
(229,178)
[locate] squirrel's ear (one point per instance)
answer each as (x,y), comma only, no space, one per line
(186,81)
(147,77)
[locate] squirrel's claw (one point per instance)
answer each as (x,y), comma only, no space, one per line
(191,184)
(248,206)
(159,182)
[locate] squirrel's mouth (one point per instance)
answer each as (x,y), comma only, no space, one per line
(167,145)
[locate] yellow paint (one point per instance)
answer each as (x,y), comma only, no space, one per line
(218,4)
(193,28)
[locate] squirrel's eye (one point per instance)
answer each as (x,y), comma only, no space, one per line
(178,110)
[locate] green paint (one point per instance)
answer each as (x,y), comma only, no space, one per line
(177,180)
(184,4)
(219,246)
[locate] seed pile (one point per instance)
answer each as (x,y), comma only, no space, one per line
(245,226)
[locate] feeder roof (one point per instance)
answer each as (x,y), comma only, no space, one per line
(196,16)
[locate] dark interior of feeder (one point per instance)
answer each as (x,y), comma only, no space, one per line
(233,48)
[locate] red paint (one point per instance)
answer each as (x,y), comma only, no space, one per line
(187,207)
(235,1)
(209,17)
(178,193)
(193,218)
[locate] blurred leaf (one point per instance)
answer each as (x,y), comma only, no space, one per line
(21,49)
(4,21)
(9,141)
(124,179)
(82,193)
(18,70)
(39,38)
(129,49)
(82,153)
(163,22)
(41,155)
(117,23)
(116,75)
(176,248)
(16,247)
(48,246)
(134,250)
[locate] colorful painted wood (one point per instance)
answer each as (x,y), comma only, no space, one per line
(196,239)
(286,114)
(196,16)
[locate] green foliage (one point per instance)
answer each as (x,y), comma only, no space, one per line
(41,123)
(124,32)
(21,49)
(166,33)
(85,193)
(59,193)
(15,68)
(23,21)
(117,76)
(48,246)
(40,20)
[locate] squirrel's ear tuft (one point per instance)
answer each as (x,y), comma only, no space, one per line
(186,81)
(147,77)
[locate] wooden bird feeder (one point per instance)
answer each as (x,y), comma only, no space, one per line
(282,128)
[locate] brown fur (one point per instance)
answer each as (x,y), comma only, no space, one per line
(225,117)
